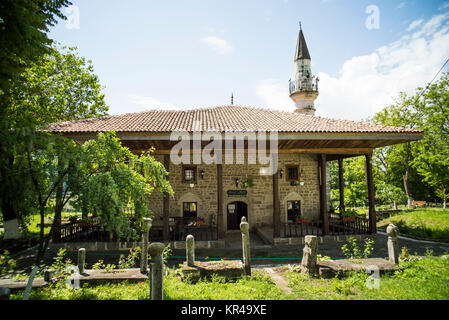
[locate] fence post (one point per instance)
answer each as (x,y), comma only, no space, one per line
(244,227)
(145,240)
(81,259)
(156,274)
(392,243)
(190,248)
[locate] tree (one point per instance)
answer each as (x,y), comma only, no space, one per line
(24,25)
(432,161)
(101,175)
(396,160)
(61,87)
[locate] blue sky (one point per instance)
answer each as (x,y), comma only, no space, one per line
(188,54)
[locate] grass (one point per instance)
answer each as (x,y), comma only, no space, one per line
(424,223)
(424,279)
(420,279)
(259,287)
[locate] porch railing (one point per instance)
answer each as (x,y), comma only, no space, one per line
(180,232)
(301,229)
(337,226)
(82,232)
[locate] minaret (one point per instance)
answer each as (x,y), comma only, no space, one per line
(304,89)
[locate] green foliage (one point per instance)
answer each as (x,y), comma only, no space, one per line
(352,250)
(347,286)
(131,260)
(98,265)
(320,257)
(24,33)
(61,264)
(402,172)
(112,178)
(60,86)
(6,263)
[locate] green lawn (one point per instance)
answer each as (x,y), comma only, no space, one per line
(260,287)
(426,279)
(419,279)
(425,223)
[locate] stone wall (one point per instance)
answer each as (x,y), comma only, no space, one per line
(259,198)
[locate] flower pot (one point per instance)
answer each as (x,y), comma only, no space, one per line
(348,219)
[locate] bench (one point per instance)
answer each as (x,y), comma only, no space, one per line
(419,204)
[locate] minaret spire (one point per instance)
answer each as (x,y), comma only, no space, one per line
(304,88)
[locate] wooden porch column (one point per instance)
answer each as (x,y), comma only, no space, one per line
(166,205)
(342,186)
(276,209)
(323,194)
(220,223)
(371,203)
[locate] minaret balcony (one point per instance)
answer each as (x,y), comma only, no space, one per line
(309,86)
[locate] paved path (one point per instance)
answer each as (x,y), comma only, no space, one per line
(279,280)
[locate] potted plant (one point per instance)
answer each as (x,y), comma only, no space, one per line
(196,222)
(248,183)
(192,183)
(349,215)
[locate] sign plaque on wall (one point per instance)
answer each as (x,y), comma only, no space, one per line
(237,193)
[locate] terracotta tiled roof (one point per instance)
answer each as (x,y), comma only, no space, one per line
(222,119)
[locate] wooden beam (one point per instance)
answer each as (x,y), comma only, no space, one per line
(330,151)
(220,222)
(276,207)
(341,186)
(166,205)
(323,194)
(371,203)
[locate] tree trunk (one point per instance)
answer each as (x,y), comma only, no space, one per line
(10,221)
(58,213)
(407,172)
(444,202)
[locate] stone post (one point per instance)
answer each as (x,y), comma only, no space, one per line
(392,243)
(5,293)
(81,259)
(309,258)
(244,227)
(145,240)
(48,275)
(190,250)
(157,269)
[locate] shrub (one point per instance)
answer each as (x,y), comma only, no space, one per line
(352,250)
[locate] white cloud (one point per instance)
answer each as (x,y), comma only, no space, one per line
(368,83)
(219,45)
(445,5)
(151,103)
(414,24)
(274,94)
(401,5)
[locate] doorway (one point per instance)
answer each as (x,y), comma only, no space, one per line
(236,210)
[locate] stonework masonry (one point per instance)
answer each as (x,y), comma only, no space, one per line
(259,198)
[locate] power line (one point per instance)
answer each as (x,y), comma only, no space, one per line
(427,87)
